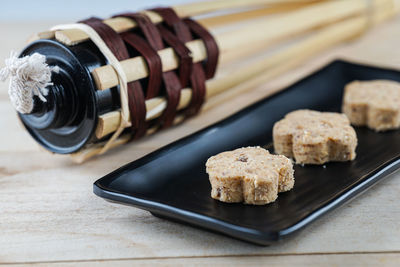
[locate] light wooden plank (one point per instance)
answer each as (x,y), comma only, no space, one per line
(368,259)
(49,213)
(13,135)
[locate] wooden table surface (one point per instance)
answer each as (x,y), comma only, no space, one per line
(49,214)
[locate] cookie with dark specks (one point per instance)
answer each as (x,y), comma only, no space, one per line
(313,137)
(251,175)
(375,104)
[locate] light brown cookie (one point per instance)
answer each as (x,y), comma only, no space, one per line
(251,175)
(312,137)
(375,104)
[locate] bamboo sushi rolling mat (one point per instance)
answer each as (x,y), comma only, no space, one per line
(49,215)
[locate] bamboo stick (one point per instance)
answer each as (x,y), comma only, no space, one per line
(109,122)
(107,78)
(202,7)
(73,37)
(85,154)
(288,58)
(243,40)
(347,31)
(136,68)
(104,78)
(41,35)
(234,18)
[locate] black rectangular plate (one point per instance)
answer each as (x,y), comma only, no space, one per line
(172,183)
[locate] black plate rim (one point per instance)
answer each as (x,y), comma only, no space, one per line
(245,233)
(242,232)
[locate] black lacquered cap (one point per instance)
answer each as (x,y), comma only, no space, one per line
(67,120)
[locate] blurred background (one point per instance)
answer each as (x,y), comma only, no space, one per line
(72,10)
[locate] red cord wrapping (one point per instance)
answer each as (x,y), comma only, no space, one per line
(171,82)
(197,77)
(211,62)
(182,29)
(146,41)
(137,106)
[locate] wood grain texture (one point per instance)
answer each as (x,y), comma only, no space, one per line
(356,259)
(48,213)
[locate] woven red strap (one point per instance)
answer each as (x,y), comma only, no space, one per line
(145,41)
(170,80)
(144,48)
(137,107)
(199,31)
(152,59)
(197,77)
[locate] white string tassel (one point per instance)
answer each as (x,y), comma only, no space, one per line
(30,75)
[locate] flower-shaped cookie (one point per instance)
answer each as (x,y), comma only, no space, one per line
(251,175)
(375,104)
(312,137)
